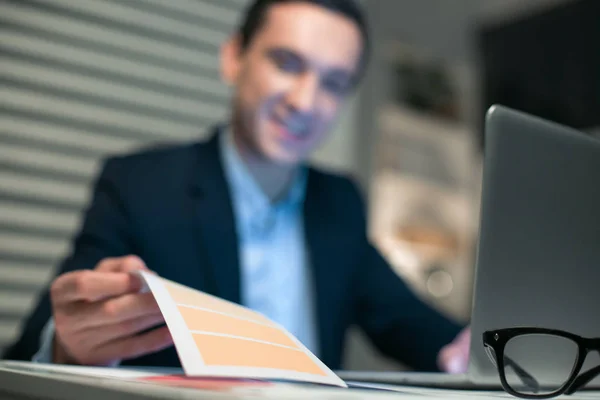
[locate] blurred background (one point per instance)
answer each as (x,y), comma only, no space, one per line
(84,79)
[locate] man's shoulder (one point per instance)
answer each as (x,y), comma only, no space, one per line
(154,161)
(151,176)
(339,199)
(334,180)
(153,154)
(340,188)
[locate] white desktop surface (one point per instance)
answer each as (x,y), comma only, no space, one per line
(26,381)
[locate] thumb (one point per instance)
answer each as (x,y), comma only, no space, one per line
(457,363)
(454,358)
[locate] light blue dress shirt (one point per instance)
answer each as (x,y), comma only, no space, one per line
(275,277)
(274,262)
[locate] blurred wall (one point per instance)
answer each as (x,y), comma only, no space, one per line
(441,28)
(82,80)
(85,79)
(444,30)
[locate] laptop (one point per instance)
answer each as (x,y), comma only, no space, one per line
(538,256)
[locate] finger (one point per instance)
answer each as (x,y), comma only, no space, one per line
(91,286)
(137,346)
(453,360)
(121,264)
(465,335)
(120,309)
(443,358)
(127,264)
(108,333)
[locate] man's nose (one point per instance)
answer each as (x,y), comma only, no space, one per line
(302,95)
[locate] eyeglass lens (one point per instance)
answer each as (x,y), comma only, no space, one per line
(539,363)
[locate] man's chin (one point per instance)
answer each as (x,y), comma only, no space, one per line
(285,159)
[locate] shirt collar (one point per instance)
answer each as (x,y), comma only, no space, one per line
(244,184)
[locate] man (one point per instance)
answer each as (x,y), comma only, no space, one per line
(241,216)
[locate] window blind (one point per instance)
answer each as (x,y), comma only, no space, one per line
(82,80)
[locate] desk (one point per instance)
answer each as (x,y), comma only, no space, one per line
(21,384)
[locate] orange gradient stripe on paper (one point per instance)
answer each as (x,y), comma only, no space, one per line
(201,320)
(226,351)
(184,295)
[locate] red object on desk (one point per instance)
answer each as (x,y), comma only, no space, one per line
(205,383)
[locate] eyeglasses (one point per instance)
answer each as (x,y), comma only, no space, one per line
(523,357)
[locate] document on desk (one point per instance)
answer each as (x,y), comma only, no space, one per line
(217,338)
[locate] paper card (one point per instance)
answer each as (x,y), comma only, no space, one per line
(219,339)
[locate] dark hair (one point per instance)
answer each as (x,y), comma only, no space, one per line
(256,13)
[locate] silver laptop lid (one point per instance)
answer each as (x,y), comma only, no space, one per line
(538,261)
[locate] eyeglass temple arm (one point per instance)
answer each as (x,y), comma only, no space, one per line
(583,380)
(524,375)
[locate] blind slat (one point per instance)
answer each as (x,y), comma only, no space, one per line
(19,274)
(55,105)
(16,302)
(91,127)
(18,71)
(30,158)
(121,68)
(37,217)
(44,135)
(132,17)
(197,9)
(82,80)
(70,30)
(9,330)
(26,244)
(27,186)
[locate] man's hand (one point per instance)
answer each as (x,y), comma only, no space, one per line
(99,314)
(454,357)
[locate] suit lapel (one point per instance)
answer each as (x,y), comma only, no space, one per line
(320,239)
(215,223)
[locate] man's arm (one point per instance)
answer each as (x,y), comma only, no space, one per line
(104,233)
(396,320)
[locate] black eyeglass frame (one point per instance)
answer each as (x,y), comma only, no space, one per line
(497,339)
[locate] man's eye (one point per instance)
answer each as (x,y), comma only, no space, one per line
(336,86)
(288,62)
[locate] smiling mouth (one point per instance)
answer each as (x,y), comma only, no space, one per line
(293,128)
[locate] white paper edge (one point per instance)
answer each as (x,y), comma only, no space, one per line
(191,359)
(186,348)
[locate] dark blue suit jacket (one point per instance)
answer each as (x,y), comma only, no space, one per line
(172,207)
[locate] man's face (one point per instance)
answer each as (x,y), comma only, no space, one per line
(291,80)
